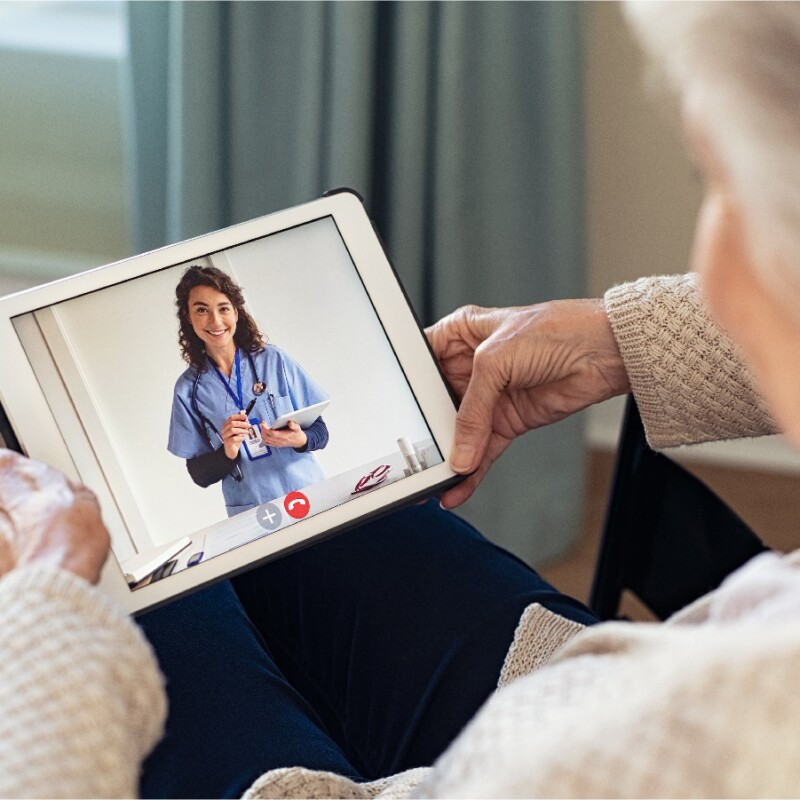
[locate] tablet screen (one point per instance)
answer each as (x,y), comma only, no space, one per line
(142,409)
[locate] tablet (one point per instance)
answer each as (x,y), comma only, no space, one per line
(304,417)
(124,376)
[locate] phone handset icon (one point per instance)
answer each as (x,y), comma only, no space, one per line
(296,505)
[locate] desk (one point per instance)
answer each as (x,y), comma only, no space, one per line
(245,527)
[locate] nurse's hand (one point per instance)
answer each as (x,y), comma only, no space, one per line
(516,369)
(46,519)
(290,436)
(234,432)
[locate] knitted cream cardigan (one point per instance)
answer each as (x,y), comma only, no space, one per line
(704,705)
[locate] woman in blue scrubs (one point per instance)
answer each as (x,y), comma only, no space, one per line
(231,366)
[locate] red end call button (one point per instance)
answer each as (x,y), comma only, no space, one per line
(296,505)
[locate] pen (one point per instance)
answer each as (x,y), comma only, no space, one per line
(249,408)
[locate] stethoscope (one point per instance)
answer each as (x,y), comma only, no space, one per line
(207,426)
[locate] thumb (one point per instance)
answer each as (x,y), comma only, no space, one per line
(474,418)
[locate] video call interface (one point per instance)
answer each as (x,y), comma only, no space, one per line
(303,371)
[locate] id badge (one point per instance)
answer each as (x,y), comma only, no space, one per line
(254,445)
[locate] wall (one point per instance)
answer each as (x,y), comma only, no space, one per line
(643,196)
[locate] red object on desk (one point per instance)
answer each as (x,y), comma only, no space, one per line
(372,479)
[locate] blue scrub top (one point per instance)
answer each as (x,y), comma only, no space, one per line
(266,478)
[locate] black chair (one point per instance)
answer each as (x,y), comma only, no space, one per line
(667,537)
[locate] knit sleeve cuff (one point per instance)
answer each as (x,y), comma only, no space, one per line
(47,584)
(48,591)
(81,699)
(539,634)
(689,379)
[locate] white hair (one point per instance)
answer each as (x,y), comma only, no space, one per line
(738,64)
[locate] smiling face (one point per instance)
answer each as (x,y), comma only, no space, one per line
(764,327)
(213,318)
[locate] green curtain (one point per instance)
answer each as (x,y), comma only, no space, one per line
(460,123)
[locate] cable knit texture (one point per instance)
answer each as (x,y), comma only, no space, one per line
(81,698)
(687,376)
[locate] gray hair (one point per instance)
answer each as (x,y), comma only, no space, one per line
(738,63)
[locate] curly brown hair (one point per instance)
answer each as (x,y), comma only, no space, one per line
(247,335)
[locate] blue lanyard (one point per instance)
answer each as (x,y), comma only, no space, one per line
(240,399)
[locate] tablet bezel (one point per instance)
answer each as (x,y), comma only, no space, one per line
(33,423)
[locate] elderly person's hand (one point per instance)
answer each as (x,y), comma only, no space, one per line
(516,369)
(46,519)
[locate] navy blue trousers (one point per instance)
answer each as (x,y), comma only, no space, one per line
(365,655)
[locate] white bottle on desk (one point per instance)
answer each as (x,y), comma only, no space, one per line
(409,454)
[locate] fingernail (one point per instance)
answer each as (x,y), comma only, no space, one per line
(461,459)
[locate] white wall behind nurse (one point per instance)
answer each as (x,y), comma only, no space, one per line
(306,296)
(125,339)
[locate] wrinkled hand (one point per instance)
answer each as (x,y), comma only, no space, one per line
(233,432)
(290,436)
(46,519)
(516,369)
